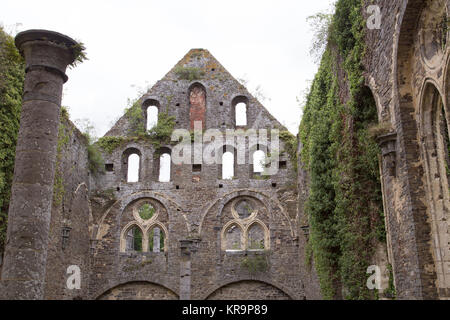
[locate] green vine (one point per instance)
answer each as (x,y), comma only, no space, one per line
(345,203)
(12,73)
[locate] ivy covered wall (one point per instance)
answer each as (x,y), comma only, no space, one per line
(11,86)
(344,204)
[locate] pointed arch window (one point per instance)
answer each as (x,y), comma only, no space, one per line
(233,238)
(134,239)
(256,237)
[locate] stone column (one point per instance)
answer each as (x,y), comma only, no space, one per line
(47,55)
(185,269)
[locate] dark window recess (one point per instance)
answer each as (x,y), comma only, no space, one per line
(274,185)
(221,103)
(220,185)
(109,167)
(283,165)
(177,104)
(65,237)
(196,168)
(178,187)
(118,189)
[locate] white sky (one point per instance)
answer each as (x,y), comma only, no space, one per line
(131,44)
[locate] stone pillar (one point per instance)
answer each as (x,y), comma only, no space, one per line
(185,269)
(47,55)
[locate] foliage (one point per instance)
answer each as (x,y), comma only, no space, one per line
(162,132)
(344,204)
(379,129)
(95,158)
(12,72)
(390,291)
(146,211)
(290,145)
(151,239)
(158,135)
(189,73)
(255,263)
(137,236)
(136,117)
(79,52)
(320,24)
(64,136)
(109,144)
(444,30)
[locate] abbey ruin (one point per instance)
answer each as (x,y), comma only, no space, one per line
(225,229)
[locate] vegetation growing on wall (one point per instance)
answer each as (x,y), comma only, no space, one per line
(12,71)
(109,144)
(64,137)
(290,146)
(158,135)
(189,73)
(344,205)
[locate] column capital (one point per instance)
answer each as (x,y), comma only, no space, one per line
(49,50)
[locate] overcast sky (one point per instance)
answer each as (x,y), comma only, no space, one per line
(132,44)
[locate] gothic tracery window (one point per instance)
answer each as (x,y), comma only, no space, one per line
(146,232)
(245,231)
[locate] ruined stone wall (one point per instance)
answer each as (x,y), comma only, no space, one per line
(69,238)
(402,56)
(197,204)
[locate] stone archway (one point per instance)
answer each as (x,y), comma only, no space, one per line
(248,290)
(434,135)
(138,290)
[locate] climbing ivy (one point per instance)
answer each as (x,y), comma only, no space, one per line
(12,72)
(344,204)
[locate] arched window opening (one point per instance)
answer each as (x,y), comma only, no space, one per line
(134,239)
(259,161)
(152,117)
(233,238)
(241,114)
(256,237)
(133,168)
(197,102)
(156,240)
(164,167)
(227,166)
